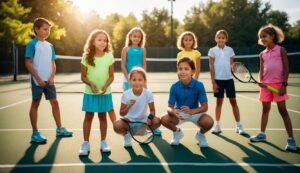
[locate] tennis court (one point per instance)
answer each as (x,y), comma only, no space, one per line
(228,151)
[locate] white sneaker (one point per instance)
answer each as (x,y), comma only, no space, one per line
(217,129)
(239,129)
(127,140)
(84,149)
(201,139)
(176,137)
(104,147)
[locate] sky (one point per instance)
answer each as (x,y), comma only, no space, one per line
(180,7)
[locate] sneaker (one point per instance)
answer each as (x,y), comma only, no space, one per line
(63,132)
(291,145)
(127,140)
(240,130)
(157,132)
(176,137)
(217,129)
(260,137)
(38,138)
(104,147)
(201,139)
(84,149)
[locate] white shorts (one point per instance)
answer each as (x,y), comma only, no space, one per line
(191,118)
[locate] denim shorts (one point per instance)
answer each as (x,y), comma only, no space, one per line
(37,91)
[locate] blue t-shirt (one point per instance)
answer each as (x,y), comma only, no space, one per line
(191,95)
(134,58)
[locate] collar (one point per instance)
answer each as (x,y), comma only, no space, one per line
(191,84)
(267,50)
(225,47)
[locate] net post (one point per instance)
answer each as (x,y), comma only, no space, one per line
(15,59)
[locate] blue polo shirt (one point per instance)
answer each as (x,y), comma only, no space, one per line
(191,95)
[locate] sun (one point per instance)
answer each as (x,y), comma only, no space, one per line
(83,5)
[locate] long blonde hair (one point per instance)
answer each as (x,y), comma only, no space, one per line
(89,47)
(142,43)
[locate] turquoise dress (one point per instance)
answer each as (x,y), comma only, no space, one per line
(134,58)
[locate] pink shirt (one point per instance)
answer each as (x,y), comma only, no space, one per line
(273,65)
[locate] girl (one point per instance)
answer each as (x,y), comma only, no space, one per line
(274,72)
(97,72)
(187,43)
(184,99)
(134,55)
(134,105)
(220,59)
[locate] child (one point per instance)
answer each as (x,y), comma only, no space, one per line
(184,99)
(97,72)
(134,105)
(40,62)
(134,55)
(187,43)
(220,60)
(274,72)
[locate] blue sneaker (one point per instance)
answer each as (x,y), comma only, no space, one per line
(38,138)
(157,132)
(63,132)
(260,137)
(291,145)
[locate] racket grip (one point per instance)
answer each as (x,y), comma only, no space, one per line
(274,90)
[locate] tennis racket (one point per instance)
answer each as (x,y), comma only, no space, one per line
(141,132)
(243,74)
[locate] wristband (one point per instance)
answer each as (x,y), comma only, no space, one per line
(284,83)
(150,116)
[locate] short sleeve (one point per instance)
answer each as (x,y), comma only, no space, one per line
(83,61)
(29,50)
(150,98)
(112,59)
(197,54)
(211,53)
(53,53)
(172,99)
(179,55)
(124,99)
(231,52)
(202,94)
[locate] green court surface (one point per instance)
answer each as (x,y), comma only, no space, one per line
(227,152)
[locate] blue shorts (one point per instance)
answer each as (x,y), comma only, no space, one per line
(227,85)
(37,91)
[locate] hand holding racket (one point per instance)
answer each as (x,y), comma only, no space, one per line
(141,132)
(243,74)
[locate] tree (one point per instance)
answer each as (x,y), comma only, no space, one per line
(279,19)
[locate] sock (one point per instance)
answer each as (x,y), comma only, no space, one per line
(238,123)
(177,129)
(262,132)
(217,122)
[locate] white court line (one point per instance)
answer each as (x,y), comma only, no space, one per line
(294,95)
(240,164)
(163,129)
(14,104)
(256,100)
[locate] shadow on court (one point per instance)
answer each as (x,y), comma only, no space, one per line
(262,156)
(28,158)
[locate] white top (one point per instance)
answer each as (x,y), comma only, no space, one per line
(41,53)
(222,61)
(139,111)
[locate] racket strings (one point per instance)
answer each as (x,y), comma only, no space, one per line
(141,132)
(241,72)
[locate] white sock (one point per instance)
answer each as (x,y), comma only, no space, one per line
(238,123)
(218,123)
(262,132)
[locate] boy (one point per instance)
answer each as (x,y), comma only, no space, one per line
(40,62)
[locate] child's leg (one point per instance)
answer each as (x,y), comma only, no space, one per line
(235,109)
(286,118)
(169,121)
(103,125)
(56,112)
(112,115)
(120,127)
(206,123)
(33,114)
(219,108)
(265,115)
(87,123)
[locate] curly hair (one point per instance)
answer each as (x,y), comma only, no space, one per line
(273,31)
(89,47)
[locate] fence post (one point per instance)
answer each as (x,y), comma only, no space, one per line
(15,59)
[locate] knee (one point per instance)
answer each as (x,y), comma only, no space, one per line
(118,127)
(35,104)
(206,122)
(54,103)
(156,122)
(233,102)
(164,120)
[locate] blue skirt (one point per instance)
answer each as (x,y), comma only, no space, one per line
(97,103)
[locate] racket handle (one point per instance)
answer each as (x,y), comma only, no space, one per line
(274,90)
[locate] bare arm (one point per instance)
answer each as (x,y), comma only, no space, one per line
(203,108)
(123,62)
(110,79)
(152,108)
(125,107)
(197,70)
(31,70)
(144,59)
(212,74)
(261,68)
(86,81)
(285,64)
(51,79)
